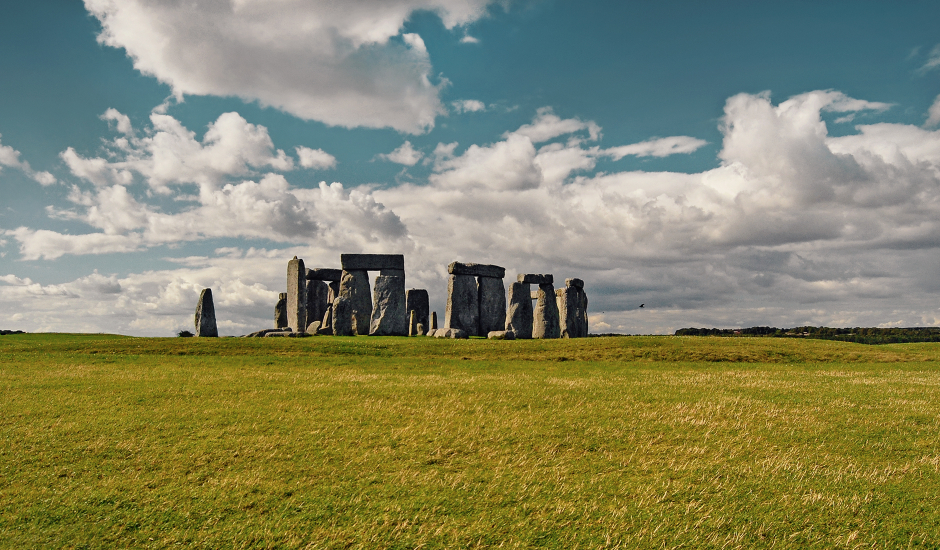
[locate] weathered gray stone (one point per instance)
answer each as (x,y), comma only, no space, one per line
(342,317)
(534,295)
(205,315)
(417,300)
(519,312)
(577,283)
(420,330)
(583,315)
(279,334)
(477,270)
(372,262)
(433,321)
(431,332)
(333,293)
(354,286)
(324,274)
(546,323)
(535,278)
(492,300)
(455,333)
(317,301)
(296,295)
(261,333)
(463,307)
(280,311)
(326,325)
(569,303)
(314,327)
(389,317)
(501,335)
(412,323)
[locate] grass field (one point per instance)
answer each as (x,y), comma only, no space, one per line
(634,442)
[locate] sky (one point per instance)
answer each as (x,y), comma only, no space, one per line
(725,163)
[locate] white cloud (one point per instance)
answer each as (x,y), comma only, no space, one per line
(467,39)
(933,114)
(405,154)
(343,64)
(933,60)
(662,147)
(10,157)
(468,106)
(547,125)
(316,159)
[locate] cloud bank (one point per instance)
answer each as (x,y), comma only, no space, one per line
(345,64)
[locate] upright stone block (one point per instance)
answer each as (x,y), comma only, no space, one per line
(296,295)
(433,325)
(342,317)
(205,315)
(492,299)
(519,314)
(417,300)
(546,322)
(389,317)
(326,326)
(280,311)
(317,300)
(413,323)
(582,313)
(354,286)
(569,306)
(334,291)
(463,307)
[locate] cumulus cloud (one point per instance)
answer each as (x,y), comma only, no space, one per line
(10,157)
(316,159)
(933,114)
(547,125)
(468,106)
(343,64)
(405,154)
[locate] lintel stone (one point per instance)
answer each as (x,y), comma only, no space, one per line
(536,278)
(477,270)
(324,274)
(372,262)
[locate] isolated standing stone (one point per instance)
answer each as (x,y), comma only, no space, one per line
(433,321)
(519,313)
(416,300)
(316,300)
(388,310)
(296,295)
(463,308)
(342,317)
(280,311)
(205,315)
(492,299)
(355,288)
(546,323)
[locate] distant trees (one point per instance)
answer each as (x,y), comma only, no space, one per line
(858,335)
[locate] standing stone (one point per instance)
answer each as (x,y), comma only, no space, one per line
(413,323)
(355,288)
(582,313)
(546,323)
(519,314)
(342,317)
(569,305)
(205,315)
(417,300)
(296,295)
(492,299)
(433,321)
(317,300)
(280,311)
(463,307)
(326,326)
(388,312)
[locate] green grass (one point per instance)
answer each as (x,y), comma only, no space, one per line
(648,442)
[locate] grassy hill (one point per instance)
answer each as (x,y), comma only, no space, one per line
(112,441)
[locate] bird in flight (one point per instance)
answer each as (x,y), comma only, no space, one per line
(641,305)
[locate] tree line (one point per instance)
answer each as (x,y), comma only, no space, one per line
(858,335)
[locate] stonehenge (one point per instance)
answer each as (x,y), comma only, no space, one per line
(205,315)
(342,302)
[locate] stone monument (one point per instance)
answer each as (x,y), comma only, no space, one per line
(205,315)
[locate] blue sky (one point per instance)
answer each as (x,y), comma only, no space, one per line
(726,163)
